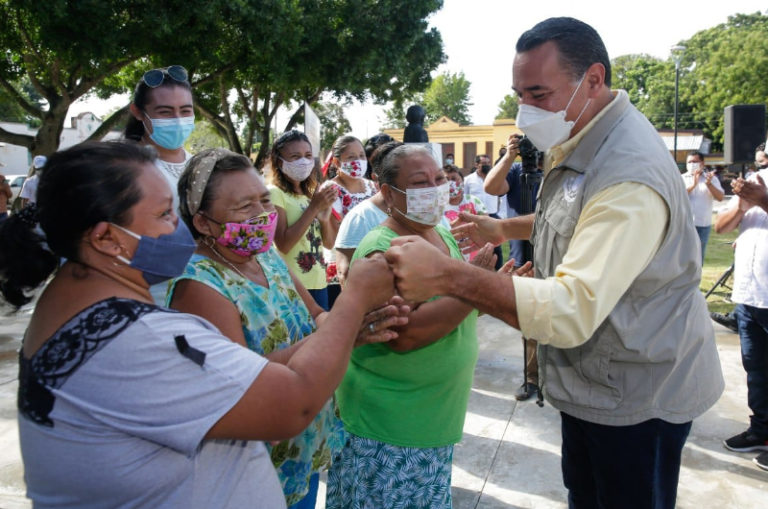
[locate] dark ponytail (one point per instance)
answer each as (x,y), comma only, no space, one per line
(25,260)
(80,187)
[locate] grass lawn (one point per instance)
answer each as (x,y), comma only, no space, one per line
(718,259)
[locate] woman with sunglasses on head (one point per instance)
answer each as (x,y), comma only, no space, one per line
(163,115)
(304,221)
(126,404)
(238,281)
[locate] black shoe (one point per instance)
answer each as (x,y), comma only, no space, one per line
(746,442)
(526,391)
(762,460)
(726,320)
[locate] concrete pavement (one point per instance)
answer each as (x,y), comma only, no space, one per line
(510,454)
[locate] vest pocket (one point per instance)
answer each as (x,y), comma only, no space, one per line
(582,376)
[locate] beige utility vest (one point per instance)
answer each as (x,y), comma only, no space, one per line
(655,355)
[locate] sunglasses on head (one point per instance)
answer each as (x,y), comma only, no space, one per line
(155,77)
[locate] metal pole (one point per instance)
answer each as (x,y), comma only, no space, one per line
(677,54)
(677,79)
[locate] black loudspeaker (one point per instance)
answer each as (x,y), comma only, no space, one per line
(744,131)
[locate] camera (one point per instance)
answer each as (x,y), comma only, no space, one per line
(529,154)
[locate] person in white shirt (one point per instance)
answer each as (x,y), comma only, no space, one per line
(473,185)
(28,192)
(748,211)
(703,187)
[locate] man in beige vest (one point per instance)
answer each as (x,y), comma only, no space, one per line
(626,347)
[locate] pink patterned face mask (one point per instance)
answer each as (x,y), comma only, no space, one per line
(251,237)
(355,169)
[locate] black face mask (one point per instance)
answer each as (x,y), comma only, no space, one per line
(762,166)
(485,168)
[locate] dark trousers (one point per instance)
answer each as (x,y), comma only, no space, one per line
(321,297)
(497,249)
(753,333)
(622,467)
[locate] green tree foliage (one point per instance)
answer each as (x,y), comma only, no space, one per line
(203,137)
(720,66)
(333,123)
(67,49)
(508,107)
(650,84)
(246,58)
(11,110)
(379,49)
(448,95)
(725,65)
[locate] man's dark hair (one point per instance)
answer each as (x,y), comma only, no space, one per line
(695,153)
(579,44)
(760,148)
(480,156)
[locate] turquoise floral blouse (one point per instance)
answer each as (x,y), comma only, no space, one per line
(274,318)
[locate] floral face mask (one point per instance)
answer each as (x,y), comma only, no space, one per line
(252,237)
(355,169)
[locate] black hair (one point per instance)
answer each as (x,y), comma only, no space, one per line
(389,165)
(380,153)
(478,157)
(231,162)
(760,148)
(338,148)
(371,145)
(279,179)
(134,128)
(81,186)
(451,168)
(697,154)
(578,44)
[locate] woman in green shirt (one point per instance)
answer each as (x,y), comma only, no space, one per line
(403,402)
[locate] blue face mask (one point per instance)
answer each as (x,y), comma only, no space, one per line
(161,258)
(171,133)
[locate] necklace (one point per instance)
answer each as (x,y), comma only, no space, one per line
(221,257)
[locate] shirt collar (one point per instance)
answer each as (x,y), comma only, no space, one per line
(557,154)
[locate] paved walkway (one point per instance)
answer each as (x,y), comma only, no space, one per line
(510,454)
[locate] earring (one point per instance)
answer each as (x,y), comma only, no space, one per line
(389,211)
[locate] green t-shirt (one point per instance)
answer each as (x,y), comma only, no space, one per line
(305,259)
(416,398)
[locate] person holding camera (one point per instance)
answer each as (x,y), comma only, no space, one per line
(504,179)
(703,188)
(473,185)
(626,347)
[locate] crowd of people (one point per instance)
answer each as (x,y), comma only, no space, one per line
(211,334)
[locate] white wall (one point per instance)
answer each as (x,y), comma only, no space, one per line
(17,159)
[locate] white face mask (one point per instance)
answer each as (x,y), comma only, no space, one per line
(547,129)
(691,167)
(299,169)
(425,205)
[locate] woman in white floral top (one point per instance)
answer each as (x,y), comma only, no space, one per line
(346,170)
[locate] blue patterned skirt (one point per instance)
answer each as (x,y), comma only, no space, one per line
(368,474)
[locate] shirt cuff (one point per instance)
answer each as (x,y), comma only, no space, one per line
(533,301)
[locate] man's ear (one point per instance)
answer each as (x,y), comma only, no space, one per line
(595,78)
(102,238)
